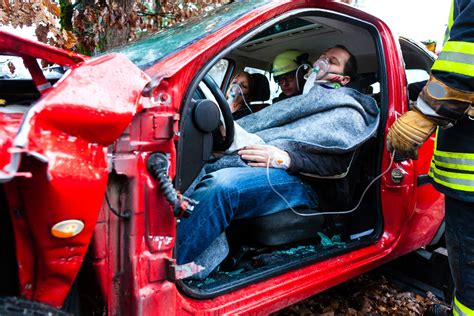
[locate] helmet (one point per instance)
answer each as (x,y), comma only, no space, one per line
(286,62)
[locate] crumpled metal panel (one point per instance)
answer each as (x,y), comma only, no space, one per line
(63,142)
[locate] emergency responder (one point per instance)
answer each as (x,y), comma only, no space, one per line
(288,71)
(446,104)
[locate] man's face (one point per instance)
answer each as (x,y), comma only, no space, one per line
(338,58)
(288,84)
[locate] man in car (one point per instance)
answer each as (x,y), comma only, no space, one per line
(237,193)
(288,71)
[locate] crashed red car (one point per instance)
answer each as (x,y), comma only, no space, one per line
(83,220)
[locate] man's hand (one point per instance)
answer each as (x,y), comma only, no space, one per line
(409,132)
(260,155)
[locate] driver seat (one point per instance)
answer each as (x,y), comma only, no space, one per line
(287,227)
(277,229)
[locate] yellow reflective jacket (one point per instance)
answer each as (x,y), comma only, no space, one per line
(452,166)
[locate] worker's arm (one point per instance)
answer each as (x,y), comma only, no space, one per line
(448,96)
(454,66)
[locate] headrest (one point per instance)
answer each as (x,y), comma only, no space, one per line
(363,82)
(261,87)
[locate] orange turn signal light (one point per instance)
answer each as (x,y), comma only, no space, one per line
(67,229)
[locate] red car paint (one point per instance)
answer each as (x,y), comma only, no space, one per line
(64,170)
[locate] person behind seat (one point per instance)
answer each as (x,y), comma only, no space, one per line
(243,192)
(288,73)
(240,94)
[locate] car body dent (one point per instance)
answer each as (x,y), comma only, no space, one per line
(68,129)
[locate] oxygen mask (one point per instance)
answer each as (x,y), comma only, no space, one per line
(235,91)
(319,70)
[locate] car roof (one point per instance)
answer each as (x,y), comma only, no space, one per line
(313,35)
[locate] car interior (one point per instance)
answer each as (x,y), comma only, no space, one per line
(269,245)
(284,241)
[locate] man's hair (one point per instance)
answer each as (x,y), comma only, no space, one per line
(350,68)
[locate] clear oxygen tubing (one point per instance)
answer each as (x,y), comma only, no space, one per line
(392,155)
(319,69)
(243,96)
(305,67)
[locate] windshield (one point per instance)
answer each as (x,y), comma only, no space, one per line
(147,51)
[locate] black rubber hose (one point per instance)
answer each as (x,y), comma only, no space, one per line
(157,165)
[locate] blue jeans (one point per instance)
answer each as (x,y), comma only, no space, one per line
(237,193)
(460,244)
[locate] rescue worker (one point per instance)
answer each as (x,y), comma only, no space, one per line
(446,104)
(288,71)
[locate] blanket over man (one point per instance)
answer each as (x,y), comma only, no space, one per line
(322,121)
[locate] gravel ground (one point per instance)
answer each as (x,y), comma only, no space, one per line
(369,294)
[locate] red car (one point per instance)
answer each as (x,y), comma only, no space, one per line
(84,221)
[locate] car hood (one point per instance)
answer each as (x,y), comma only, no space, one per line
(90,106)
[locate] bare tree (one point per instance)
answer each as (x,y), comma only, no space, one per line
(90,26)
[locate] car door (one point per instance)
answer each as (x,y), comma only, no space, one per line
(426,204)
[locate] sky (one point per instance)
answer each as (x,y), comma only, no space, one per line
(417,19)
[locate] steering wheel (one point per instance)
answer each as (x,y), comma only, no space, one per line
(222,143)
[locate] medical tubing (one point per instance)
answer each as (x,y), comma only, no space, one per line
(243,98)
(328,213)
(296,75)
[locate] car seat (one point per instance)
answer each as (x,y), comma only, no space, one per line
(261,92)
(363,82)
(287,227)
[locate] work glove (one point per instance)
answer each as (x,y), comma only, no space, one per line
(265,156)
(444,105)
(437,105)
(409,132)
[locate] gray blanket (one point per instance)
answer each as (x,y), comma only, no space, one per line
(321,121)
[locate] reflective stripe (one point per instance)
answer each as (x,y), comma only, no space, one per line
(459,47)
(451,66)
(450,24)
(454,163)
(457,57)
(450,154)
(453,160)
(451,16)
(453,180)
(461,310)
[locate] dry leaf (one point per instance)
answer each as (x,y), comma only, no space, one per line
(70,39)
(52,8)
(5,5)
(41,33)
